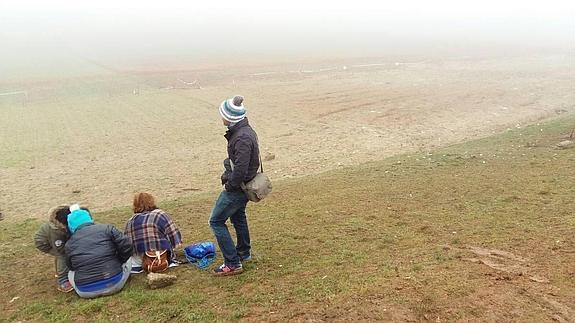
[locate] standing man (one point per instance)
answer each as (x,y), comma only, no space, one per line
(241,166)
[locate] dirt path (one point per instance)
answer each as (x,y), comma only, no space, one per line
(517,272)
(98,140)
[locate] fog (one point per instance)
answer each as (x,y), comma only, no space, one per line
(131,34)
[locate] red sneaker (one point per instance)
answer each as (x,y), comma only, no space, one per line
(65,287)
(225,270)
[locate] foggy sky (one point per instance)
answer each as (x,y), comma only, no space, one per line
(208,31)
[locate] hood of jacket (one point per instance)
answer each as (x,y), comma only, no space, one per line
(53,221)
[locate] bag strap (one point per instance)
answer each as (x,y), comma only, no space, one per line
(259,154)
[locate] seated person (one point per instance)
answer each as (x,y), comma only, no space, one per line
(151,229)
(51,238)
(98,256)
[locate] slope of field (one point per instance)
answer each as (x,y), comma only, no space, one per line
(479,231)
(99,139)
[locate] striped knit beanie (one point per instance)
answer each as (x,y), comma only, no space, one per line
(232,110)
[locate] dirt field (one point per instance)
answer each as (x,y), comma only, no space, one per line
(97,140)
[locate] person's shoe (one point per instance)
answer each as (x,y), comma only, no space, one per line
(65,287)
(225,270)
(247,258)
(136,270)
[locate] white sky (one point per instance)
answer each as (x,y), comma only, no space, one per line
(162,27)
(286,15)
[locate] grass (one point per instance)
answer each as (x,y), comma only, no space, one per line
(381,241)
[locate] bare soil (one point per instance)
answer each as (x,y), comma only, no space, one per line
(97,140)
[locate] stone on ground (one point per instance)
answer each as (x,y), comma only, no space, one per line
(566,144)
(269,157)
(156,280)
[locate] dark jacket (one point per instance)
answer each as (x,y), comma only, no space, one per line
(244,152)
(96,252)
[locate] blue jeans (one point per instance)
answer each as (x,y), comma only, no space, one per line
(231,205)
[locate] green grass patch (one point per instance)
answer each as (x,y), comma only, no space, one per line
(381,241)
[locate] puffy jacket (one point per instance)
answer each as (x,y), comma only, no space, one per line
(96,252)
(244,152)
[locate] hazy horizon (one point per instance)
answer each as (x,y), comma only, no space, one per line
(38,35)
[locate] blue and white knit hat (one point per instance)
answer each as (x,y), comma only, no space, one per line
(233,110)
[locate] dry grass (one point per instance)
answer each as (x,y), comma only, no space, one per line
(389,240)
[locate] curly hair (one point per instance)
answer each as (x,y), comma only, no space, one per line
(144,202)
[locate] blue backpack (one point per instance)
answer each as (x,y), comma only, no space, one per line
(201,254)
